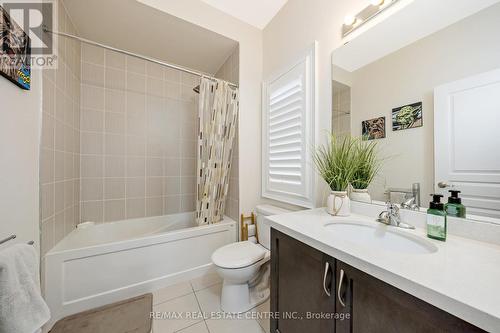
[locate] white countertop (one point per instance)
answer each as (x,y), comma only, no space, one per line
(462,277)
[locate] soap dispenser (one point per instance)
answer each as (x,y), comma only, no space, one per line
(436,219)
(454,206)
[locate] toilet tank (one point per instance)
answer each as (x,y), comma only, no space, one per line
(263,229)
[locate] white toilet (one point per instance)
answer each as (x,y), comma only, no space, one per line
(239,265)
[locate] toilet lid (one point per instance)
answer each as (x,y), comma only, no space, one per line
(238,255)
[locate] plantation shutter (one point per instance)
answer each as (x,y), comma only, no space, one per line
(288,134)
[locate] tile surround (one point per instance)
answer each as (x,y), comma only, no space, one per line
(341,118)
(60,143)
(118,138)
(138,138)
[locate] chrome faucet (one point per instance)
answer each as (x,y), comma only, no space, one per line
(413,195)
(392,217)
(410,204)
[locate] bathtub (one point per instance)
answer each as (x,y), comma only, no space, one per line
(108,262)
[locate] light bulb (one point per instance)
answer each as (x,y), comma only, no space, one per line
(349,20)
(377,2)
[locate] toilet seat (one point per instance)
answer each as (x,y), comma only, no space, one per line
(238,255)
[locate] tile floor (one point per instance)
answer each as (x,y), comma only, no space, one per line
(196,308)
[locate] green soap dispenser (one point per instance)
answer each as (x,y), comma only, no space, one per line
(454,206)
(436,219)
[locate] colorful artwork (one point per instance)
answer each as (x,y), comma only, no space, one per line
(15,52)
(408,116)
(373,129)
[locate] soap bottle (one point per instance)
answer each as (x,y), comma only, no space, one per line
(436,219)
(454,206)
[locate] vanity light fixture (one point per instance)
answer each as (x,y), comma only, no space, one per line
(349,20)
(353,22)
(377,2)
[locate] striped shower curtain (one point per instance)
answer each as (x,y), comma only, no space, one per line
(217,117)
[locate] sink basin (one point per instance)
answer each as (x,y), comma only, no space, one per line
(381,237)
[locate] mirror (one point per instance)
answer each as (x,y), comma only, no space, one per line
(432,104)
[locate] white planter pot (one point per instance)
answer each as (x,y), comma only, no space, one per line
(338,204)
(360,195)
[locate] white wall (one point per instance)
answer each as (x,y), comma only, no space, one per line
(409,75)
(20,121)
(250,43)
(296,27)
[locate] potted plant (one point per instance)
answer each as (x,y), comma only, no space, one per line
(366,166)
(334,162)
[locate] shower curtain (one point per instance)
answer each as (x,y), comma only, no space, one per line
(217,117)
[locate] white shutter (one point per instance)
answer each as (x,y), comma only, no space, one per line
(288,134)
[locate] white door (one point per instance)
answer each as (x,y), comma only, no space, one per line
(467,141)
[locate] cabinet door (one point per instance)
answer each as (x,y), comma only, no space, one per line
(375,306)
(301,280)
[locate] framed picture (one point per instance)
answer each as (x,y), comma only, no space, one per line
(15,52)
(373,129)
(408,116)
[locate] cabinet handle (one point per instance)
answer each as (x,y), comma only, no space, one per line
(327,268)
(340,286)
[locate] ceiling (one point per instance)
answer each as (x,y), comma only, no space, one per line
(135,27)
(254,12)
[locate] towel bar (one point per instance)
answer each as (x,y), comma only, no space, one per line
(7,239)
(12,237)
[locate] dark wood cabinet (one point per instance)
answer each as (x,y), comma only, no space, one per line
(306,282)
(301,279)
(377,307)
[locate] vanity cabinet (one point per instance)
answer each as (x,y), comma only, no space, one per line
(301,280)
(375,306)
(306,281)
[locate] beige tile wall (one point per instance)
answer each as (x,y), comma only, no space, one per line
(230,71)
(118,139)
(341,106)
(60,144)
(138,138)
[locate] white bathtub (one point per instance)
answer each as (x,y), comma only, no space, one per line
(108,262)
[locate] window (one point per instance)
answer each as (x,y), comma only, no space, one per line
(288,108)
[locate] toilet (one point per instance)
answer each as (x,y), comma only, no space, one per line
(241,265)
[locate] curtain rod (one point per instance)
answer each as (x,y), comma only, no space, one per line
(166,64)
